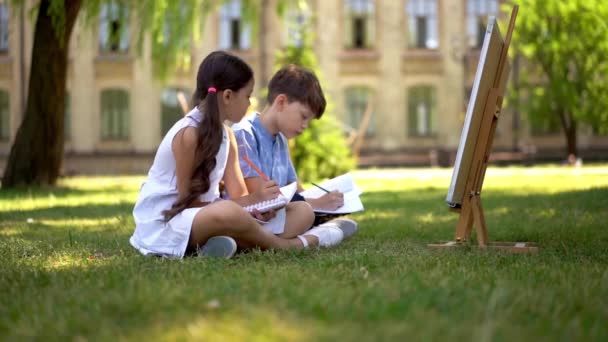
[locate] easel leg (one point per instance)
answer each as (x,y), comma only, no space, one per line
(479,222)
(465,221)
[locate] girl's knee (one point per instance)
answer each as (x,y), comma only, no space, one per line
(223,213)
(302,210)
(234,219)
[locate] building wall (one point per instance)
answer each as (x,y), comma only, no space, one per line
(390,68)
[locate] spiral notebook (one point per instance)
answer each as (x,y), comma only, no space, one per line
(280,201)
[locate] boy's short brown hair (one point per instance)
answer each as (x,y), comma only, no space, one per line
(298,84)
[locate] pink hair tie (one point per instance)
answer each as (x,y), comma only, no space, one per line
(212,90)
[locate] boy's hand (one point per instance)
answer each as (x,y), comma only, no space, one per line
(267,191)
(330,201)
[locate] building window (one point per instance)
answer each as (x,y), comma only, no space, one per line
(596,131)
(67,124)
(5,116)
(115,114)
(478,12)
(234,33)
(113,29)
(359,24)
(357,99)
(296,22)
(171,108)
(422,19)
(4,17)
(422,110)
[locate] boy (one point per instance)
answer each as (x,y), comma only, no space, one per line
(294,98)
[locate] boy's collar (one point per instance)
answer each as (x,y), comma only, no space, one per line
(266,120)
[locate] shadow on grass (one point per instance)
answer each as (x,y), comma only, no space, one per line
(60,191)
(64,212)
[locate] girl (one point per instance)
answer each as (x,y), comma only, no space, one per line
(178,210)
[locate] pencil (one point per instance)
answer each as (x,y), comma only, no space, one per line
(320,187)
(255,168)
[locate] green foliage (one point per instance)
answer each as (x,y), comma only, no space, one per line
(173,26)
(57,13)
(321,151)
(69,273)
(566,44)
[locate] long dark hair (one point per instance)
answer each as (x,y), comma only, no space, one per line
(221,71)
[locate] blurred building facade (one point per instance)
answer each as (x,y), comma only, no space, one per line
(415,59)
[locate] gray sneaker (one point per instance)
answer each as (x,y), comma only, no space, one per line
(348,226)
(218,246)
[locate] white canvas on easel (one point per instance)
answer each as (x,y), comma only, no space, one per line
(485,104)
(487,69)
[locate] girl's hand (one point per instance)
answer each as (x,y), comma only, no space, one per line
(267,191)
(330,201)
(264,217)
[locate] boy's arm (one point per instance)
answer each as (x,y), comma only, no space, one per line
(330,201)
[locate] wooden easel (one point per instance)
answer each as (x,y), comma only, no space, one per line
(471,210)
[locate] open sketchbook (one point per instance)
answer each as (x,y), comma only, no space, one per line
(280,201)
(276,225)
(346,185)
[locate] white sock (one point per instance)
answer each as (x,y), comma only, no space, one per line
(304,241)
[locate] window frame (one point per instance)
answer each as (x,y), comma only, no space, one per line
(428,96)
(164,115)
(110,13)
(362,95)
(429,10)
(5,115)
(119,122)
(229,12)
(477,14)
(362,11)
(5,22)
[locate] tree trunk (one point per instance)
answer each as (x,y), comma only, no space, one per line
(571,138)
(37,152)
(569,126)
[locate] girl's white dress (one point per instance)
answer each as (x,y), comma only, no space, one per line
(158,193)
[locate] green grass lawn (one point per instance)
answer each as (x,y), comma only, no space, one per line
(68,272)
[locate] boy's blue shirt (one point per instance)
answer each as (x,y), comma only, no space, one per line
(269,153)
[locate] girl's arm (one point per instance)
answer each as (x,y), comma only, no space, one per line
(184,149)
(253,183)
(235,184)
